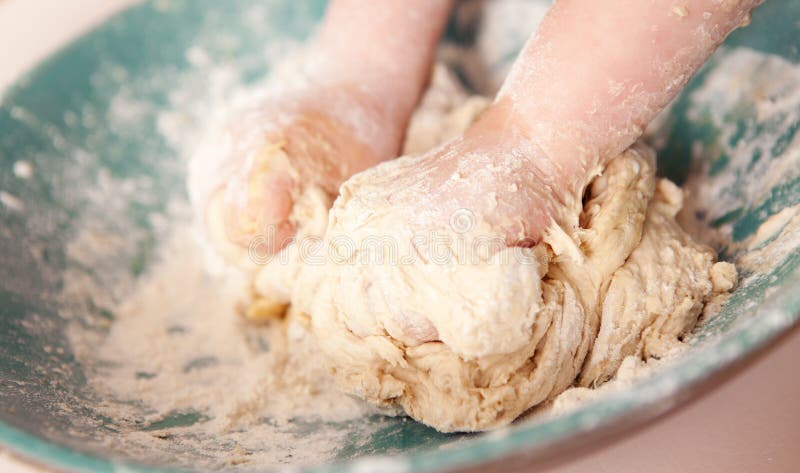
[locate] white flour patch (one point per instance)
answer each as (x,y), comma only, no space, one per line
(23,169)
(753,99)
(11,201)
(179,364)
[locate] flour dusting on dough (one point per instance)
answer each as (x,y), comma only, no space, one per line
(466,345)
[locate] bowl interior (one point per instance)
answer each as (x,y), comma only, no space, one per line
(105,125)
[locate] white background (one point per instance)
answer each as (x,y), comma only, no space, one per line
(748,421)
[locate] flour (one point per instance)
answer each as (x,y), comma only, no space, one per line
(179,363)
(774,227)
(11,201)
(776,239)
(753,100)
(23,169)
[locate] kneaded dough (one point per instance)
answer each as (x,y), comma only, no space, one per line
(465,345)
(471,345)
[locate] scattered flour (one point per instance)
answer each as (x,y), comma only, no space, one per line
(11,201)
(23,169)
(179,363)
(753,100)
(776,240)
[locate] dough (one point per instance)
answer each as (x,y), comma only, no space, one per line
(469,344)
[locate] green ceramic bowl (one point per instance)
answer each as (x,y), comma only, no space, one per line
(91,121)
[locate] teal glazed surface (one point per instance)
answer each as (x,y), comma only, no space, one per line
(58,118)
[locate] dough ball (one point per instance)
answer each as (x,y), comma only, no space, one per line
(469,344)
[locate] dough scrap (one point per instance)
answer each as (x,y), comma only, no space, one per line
(469,346)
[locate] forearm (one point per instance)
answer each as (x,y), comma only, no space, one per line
(387,44)
(597,72)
